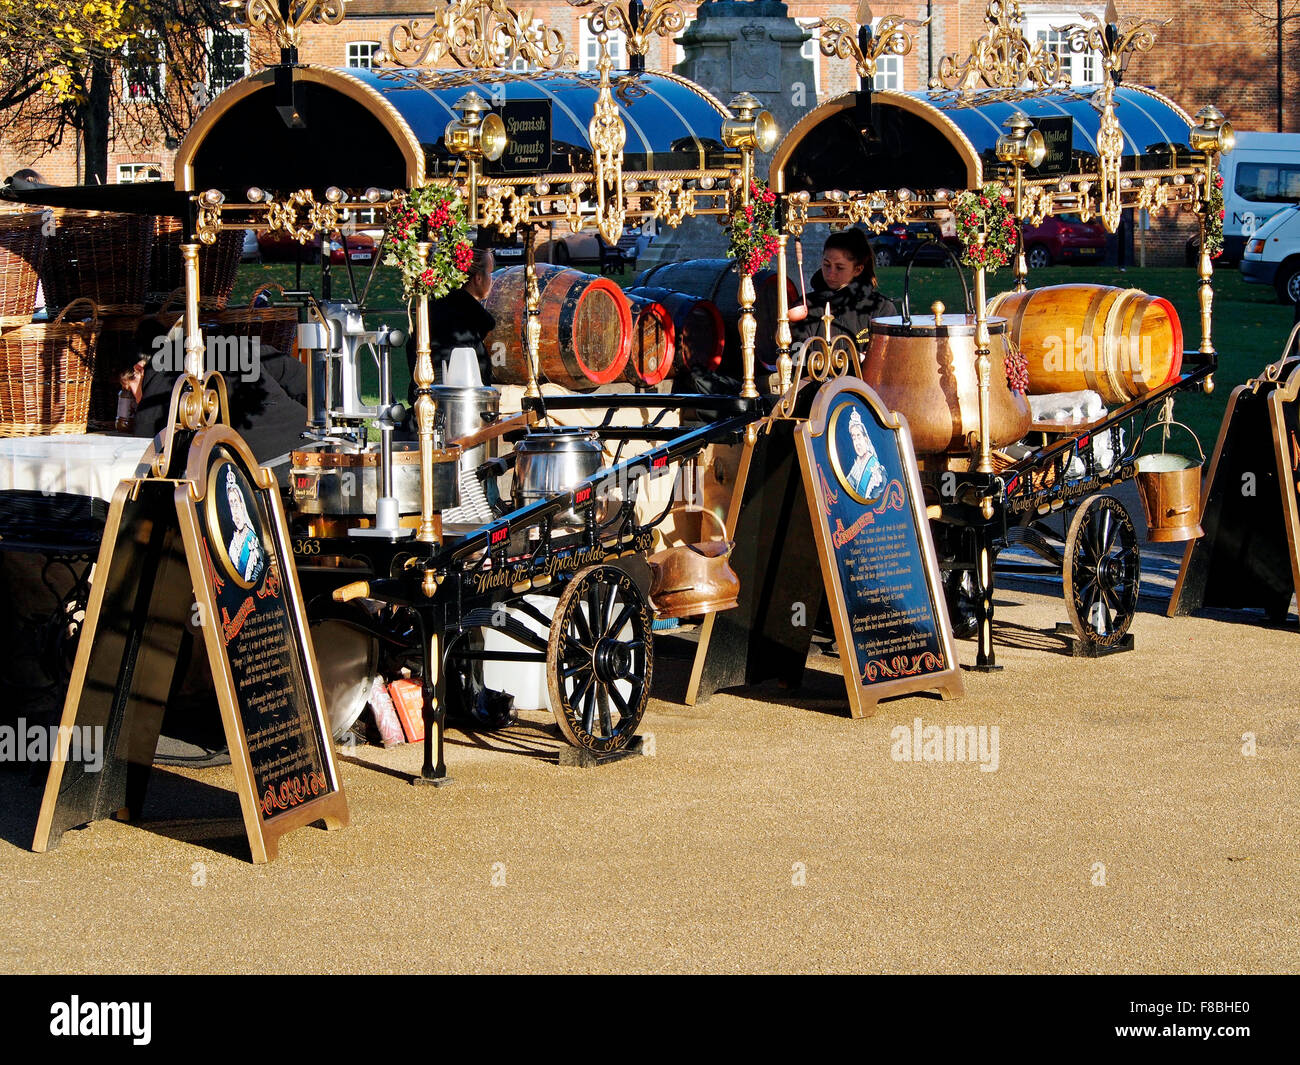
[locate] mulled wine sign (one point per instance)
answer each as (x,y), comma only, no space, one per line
(877,556)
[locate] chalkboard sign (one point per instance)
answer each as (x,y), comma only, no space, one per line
(1246,558)
(1058,135)
(528,136)
(877,556)
(256,635)
(222,526)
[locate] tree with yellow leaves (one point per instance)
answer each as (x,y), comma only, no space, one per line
(73,66)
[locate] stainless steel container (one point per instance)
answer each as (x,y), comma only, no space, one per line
(554,461)
(346,483)
(463,412)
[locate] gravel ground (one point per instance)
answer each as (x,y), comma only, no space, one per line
(1124,830)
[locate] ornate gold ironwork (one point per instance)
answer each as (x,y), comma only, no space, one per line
(658,18)
(607,134)
(819,359)
(477,34)
(1131,35)
(301,217)
(1002,58)
(893,35)
(287,27)
(1110,156)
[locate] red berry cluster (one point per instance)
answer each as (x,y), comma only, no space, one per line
(1017,367)
(440,216)
(401,221)
(462,256)
(986,213)
(759,256)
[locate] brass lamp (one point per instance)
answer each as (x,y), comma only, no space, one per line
(479,133)
(1022,144)
(1214,133)
(752,129)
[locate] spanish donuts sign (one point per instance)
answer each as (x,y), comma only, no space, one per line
(874,543)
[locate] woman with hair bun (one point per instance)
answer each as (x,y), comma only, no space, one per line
(847,281)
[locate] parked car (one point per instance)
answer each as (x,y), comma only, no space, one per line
(1064,239)
(280,247)
(1261,176)
(921,240)
(1273,255)
(586,248)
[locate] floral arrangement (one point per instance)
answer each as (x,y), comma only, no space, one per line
(752,229)
(435,215)
(1214,214)
(986,212)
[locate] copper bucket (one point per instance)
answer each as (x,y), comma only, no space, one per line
(1170,487)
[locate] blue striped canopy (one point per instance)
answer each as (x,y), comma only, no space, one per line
(939,139)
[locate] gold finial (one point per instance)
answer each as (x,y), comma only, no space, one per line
(938,308)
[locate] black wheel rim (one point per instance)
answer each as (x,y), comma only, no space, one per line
(1106,570)
(603,651)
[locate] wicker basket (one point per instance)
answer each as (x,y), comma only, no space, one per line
(274,327)
(100,257)
(22,254)
(45,374)
(218,264)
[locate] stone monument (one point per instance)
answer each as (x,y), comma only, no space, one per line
(736,46)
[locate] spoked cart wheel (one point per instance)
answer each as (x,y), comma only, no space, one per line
(600,658)
(1102,568)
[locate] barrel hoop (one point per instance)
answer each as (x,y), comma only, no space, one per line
(1086,330)
(1112,336)
(1140,374)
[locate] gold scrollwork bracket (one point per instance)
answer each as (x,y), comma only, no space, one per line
(818,359)
(657,18)
(1002,58)
(286,27)
(476,34)
(893,35)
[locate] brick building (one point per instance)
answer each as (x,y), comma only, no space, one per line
(1222,53)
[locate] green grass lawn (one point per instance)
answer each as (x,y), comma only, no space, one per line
(1250,327)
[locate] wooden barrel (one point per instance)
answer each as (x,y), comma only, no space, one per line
(698,331)
(719,281)
(586,328)
(1119,342)
(653,342)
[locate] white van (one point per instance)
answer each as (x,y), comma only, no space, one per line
(1261,175)
(1273,255)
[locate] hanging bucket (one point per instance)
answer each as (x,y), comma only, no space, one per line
(1170,487)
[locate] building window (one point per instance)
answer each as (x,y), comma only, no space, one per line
(362,54)
(133,173)
(1077,68)
(589,48)
(227,58)
(811,51)
(143,63)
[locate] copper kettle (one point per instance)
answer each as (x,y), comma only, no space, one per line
(925,369)
(693,578)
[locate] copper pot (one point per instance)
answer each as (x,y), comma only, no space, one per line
(693,579)
(925,369)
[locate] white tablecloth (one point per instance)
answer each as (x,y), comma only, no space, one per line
(87,464)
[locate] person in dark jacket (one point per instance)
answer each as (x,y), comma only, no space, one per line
(847,281)
(459,320)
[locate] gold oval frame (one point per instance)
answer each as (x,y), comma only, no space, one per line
(833,450)
(220,458)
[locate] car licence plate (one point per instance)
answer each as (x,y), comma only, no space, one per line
(359,255)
